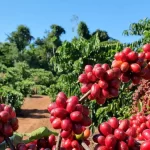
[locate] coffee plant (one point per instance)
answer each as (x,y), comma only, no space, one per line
(101,83)
(20,81)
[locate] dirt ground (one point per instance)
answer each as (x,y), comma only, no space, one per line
(34,114)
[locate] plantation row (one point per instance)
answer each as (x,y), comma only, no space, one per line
(21,81)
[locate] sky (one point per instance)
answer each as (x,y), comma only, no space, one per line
(113,16)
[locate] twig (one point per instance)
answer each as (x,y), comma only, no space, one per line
(9,143)
(58,144)
(85,95)
(85,146)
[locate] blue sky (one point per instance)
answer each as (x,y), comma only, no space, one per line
(111,15)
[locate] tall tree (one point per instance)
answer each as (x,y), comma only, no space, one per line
(52,40)
(44,48)
(39,42)
(21,37)
(83,30)
(140,29)
(57,30)
(102,35)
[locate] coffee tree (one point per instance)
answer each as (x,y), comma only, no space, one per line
(102,82)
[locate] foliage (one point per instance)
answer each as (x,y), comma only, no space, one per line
(8,53)
(40,89)
(36,57)
(39,42)
(83,30)
(38,134)
(71,58)
(102,35)
(42,77)
(21,37)
(140,29)
(25,87)
(119,107)
(57,30)
(23,68)
(11,96)
(21,81)
(79,53)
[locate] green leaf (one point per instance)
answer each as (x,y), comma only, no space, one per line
(39,133)
(17,138)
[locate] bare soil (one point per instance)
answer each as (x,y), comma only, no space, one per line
(34,114)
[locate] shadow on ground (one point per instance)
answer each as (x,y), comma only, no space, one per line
(36,96)
(33,113)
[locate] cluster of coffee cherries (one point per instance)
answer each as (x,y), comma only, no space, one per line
(133,65)
(101,80)
(69,116)
(114,135)
(46,143)
(8,121)
(124,134)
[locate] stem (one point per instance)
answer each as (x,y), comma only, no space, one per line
(85,146)
(85,96)
(58,144)
(9,143)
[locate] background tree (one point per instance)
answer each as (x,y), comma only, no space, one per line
(21,37)
(102,35)
(83,30)
(140,29)
(52,40)
(39,54)
(39,42)
(57,30)
(53,37)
